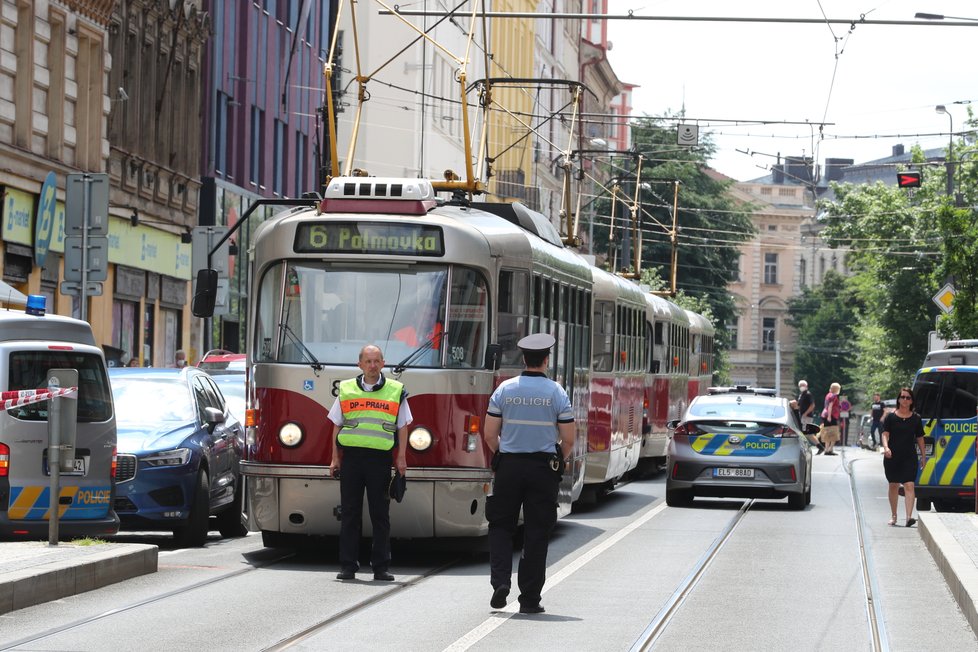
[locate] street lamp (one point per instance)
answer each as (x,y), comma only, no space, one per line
(925,16)
(940,108)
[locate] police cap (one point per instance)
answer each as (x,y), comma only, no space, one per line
(536,342)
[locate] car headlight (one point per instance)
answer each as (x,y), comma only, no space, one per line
(175,457)
(420,439)
(290,435)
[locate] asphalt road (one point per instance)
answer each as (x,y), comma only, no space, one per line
(782,580)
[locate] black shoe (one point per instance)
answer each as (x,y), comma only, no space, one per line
(346,575)
(831,453)
(383,576)
(911,522)
(821,449)
(499,597)
(531,609)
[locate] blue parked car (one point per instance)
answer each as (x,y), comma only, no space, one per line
(179,449)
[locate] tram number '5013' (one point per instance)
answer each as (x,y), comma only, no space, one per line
(458,354)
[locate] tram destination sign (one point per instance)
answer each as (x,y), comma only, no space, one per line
(370,238)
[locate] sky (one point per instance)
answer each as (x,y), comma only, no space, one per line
(873,87)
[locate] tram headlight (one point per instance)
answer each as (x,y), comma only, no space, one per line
(290,435)
(420,439)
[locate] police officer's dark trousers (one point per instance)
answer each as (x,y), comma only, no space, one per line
(364,468)
(522,480)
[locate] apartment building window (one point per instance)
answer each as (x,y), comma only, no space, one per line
(802,271)
(771,269)
(301,149)
(88,103)
(768,333)
(257,171)
(281,154)
(766,190)
(734,330)
(24,77)
(56,85)
(786,192)
(220,134)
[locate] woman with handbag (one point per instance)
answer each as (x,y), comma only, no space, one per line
(830,419)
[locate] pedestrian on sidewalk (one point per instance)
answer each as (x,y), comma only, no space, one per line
(830,419)
(903,437)
(805,406)
(876,420)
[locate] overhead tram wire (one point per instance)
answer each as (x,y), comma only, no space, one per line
(631,16)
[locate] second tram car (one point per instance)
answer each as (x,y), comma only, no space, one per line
(446,289)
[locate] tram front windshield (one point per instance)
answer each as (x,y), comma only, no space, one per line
(326,313)
(946,394)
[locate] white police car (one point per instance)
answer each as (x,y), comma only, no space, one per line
(739,442)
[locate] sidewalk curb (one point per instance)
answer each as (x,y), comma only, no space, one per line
(58,579)
(958,569)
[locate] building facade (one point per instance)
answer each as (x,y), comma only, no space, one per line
(262,129)
(769,273)
(79,82)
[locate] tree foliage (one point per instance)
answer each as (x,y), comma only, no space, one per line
(711,226)
(825,318)
(902,247)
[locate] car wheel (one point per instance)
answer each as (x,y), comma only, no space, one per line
(923,504)
(230,522)
(796,501)
(194,533)
(678,498)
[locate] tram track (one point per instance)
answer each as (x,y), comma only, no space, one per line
(651,634)
(874,607)
(323,625)
(877,633)
(82,622)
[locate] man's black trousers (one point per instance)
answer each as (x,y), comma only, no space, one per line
(525,481)
(370,470)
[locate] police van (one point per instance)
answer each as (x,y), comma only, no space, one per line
(946,397)
(31,344)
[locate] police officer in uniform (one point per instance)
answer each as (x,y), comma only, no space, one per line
(530,424)
(371,417)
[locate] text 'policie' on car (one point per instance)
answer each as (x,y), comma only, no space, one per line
(179,454)
(739,442)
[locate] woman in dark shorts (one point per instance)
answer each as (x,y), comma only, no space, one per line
(903,435)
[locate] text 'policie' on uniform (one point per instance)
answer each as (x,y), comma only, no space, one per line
(530,423)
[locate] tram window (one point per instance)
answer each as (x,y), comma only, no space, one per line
(603,336)
(467,318)
(513,309)
(29,369)
(316,313)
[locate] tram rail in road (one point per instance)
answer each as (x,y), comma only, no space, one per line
(874,611)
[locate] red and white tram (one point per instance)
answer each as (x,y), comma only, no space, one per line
(701,333)
(446,289)
(666,377)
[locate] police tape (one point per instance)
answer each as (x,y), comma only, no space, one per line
(21,397)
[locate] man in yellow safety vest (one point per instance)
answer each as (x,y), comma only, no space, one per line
(370,420)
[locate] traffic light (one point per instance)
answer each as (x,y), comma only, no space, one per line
(908,179)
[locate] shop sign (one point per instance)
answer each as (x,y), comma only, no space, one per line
(18,208)
(44,223)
